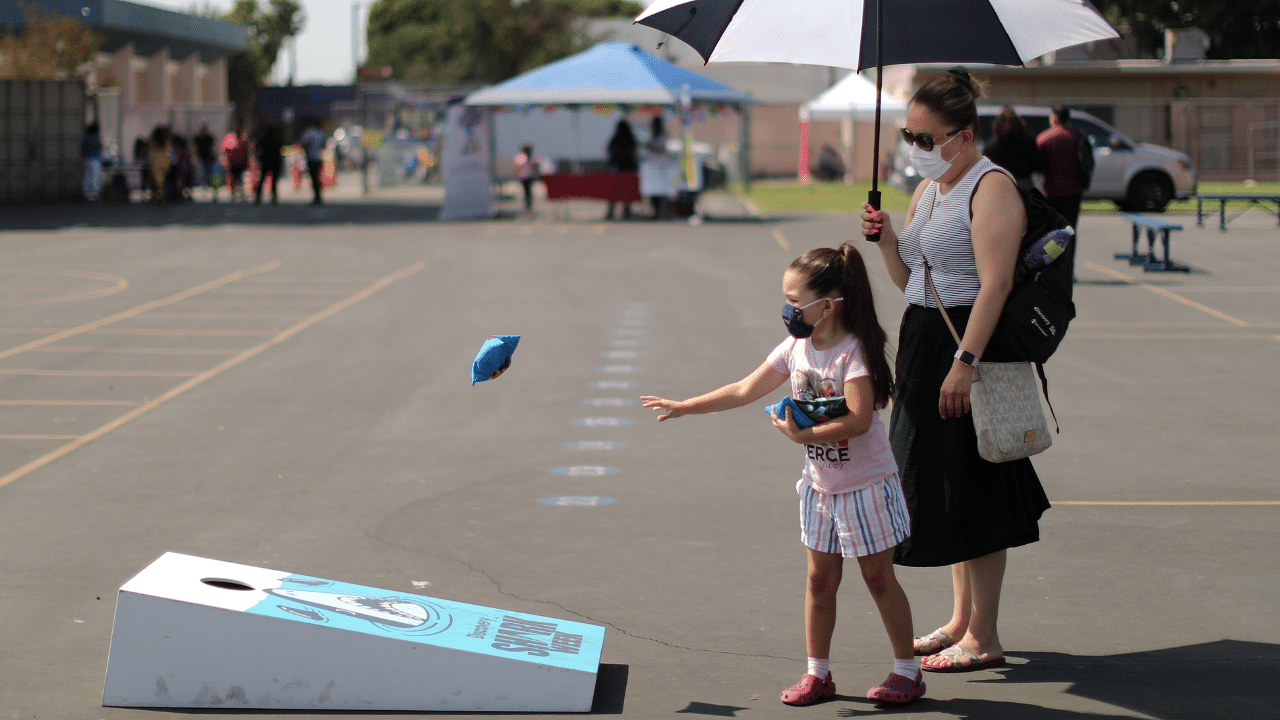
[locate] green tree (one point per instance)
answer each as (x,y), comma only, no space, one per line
(1235,29)
(48,48)
(268,28)
(482,41)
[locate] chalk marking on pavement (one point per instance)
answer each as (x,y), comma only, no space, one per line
(1170,295)
(268,267)
(150,405)
(1171,503)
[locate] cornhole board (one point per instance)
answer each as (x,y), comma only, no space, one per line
(198,633)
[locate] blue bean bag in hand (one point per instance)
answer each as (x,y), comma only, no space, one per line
(494,357)
(802,419)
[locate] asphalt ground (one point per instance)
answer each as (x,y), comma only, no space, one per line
(288,387)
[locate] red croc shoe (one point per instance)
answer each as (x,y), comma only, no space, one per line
(897,690)
(809,691)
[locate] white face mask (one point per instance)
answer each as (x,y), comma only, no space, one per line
(930,164)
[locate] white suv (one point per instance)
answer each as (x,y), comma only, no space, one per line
(1136,176)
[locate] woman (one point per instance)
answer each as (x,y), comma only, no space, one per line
(965,512)
(1012,147)
(622,158)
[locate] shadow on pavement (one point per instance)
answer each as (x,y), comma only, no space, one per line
(1223,679)
(203,214)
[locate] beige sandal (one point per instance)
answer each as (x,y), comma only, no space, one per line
(933,643)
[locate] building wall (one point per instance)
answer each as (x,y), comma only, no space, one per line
(41,124)
(160,90)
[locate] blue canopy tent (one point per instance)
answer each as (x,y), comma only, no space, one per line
(614,73)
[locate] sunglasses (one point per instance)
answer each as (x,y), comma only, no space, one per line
(924,142)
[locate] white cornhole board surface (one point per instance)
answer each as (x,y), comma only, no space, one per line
(194,632)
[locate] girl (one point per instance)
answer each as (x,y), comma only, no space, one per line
(851,503)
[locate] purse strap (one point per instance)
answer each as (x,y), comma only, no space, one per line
(1044,381)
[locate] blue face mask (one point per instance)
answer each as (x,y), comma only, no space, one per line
(792,317)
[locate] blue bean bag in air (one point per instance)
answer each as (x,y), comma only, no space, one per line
(494,357)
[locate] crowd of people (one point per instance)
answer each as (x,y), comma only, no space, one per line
(171,166)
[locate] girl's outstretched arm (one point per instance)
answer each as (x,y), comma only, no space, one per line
(762,381)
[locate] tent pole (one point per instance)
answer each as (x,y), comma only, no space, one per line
(744,144)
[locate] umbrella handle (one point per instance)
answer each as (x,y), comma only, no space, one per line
(873,199)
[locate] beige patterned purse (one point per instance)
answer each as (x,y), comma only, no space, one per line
(1005,403)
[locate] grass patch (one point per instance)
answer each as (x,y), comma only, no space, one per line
(775,197)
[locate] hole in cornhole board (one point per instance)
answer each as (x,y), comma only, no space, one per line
(225,584)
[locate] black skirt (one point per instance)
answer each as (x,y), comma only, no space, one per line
(962,507)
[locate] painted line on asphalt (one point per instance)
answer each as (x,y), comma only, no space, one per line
(134,312)
(1171,295)
(115,285)
(99,373)
(71,402)
(150,405)
(142,351)
(222,316)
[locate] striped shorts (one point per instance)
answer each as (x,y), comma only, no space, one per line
(854,524)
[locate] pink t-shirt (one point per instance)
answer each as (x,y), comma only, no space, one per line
(851,464)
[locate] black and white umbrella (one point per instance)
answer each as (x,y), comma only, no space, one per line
(861,34)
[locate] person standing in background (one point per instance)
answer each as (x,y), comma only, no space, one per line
(528,169)
(1012,147)
(312,142)
(622,158)
(1062,188)
(235,158)
(203,142)
(91,151)
(269,161)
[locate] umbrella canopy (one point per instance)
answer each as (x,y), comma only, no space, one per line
(609,73)
(852,98)
(842,33)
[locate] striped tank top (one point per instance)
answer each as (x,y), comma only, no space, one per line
(942,232)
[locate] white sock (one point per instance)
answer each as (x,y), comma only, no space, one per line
(909,669)
(821,667)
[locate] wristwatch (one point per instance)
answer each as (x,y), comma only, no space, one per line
(966,358)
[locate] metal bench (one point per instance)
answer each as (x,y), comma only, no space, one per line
(1148,261)
(1252,200)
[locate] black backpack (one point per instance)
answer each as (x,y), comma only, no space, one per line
(1084,160)
(1039,306)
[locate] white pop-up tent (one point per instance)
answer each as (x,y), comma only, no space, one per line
(850,102)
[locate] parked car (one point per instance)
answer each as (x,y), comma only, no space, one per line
(1138,177)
